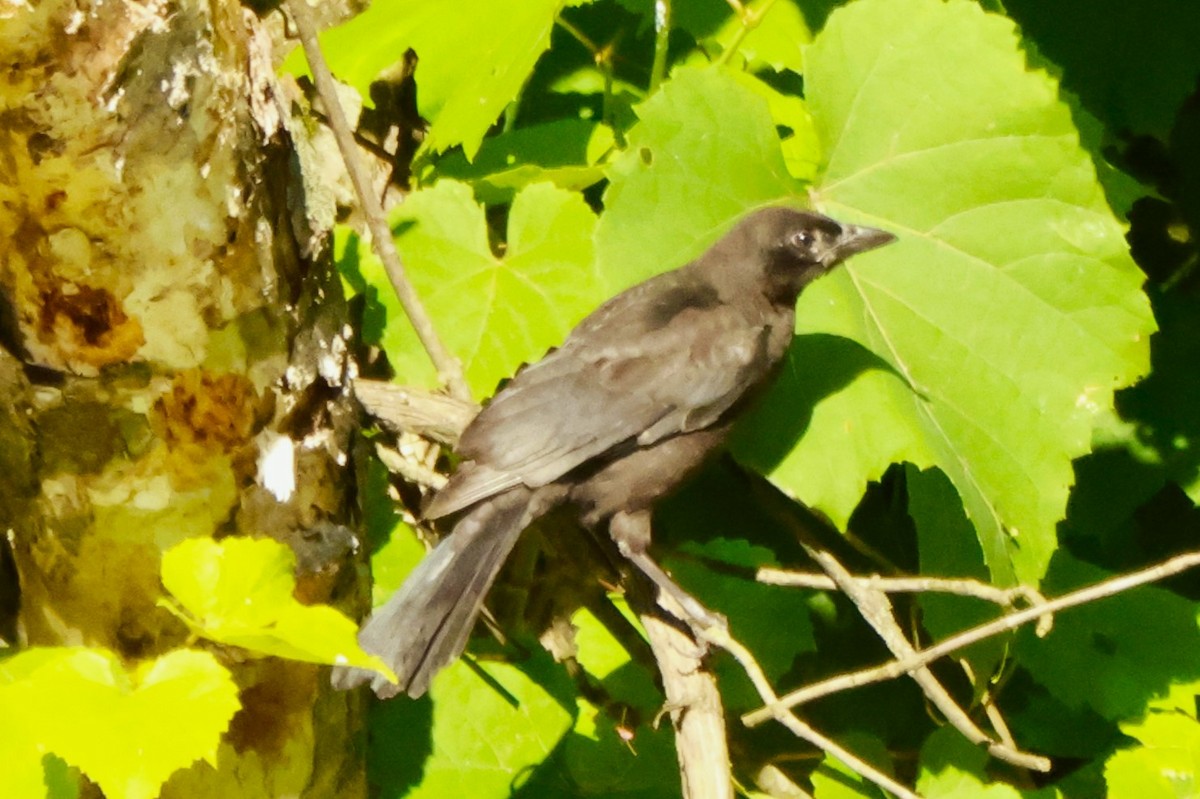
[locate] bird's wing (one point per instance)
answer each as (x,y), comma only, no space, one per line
(663,358)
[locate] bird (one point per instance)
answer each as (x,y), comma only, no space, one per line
(624,411)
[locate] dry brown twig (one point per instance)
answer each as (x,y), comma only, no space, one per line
(692,701)
(448,367)
(721,639)
(876,609)
(1011,621)
(1006,597)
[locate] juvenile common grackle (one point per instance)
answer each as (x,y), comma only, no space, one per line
(630,405)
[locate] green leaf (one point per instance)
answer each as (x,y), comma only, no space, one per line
(1044,724)
(493,313)
(565,152)
(486,732)
(71,701)
(954,768)
(1166,764)
(238,591)
(947,549)
(475,55)
(1116,654)
(703,152)
(614,750)
(833,779)
(23,744)
(801,147)
(777,29)
(998,327)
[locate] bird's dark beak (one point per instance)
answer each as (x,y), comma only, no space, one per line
(856,239)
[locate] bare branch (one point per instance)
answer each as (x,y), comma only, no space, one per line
(895,668)
(408,468)
(719,637)
(448,367)
(975,589)
(876,609)
(694,704)
(413,410)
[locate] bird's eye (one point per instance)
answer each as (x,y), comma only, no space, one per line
(801,239)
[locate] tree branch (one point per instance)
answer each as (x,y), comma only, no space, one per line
(448,367)
(721,639)
(877,611)
(895,668)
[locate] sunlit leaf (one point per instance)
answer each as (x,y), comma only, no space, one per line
(238,591)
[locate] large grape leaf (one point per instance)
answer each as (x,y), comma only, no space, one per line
(493,313)
(704,151)
(475,55)
(1000,324)
(987,341)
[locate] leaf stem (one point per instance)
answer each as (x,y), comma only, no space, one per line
(662,35)
(603,58)
(750,18)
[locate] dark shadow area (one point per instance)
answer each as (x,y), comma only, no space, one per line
(1131,64)
(399,741)
(817,366)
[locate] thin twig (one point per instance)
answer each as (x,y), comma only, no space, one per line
(990,708)
(448,367)
(895,668)
(411,470)
(877,611)
(579,36)
(905,585)
(720,638)
(603,59)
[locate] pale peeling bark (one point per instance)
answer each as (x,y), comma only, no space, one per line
(168,314)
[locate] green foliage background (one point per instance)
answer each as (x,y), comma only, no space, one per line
(1009,393)
(967,401)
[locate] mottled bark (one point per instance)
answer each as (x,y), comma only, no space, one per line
(168,316)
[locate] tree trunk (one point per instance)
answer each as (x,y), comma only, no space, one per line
(169,314)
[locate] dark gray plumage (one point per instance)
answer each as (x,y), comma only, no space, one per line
(630,405)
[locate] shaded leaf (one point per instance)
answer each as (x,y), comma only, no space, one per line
(1132,65)
(954,768)
(481,727)
(1115,654)
(565,152)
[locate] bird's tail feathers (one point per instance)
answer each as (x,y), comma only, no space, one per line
(425,625)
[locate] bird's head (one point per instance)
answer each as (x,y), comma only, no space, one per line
(797,247)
